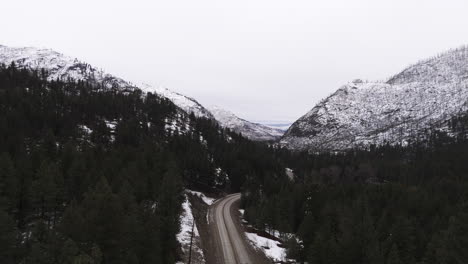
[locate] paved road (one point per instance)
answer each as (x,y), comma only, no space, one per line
(231,246)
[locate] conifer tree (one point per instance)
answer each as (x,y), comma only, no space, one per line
(9,185)
(8,239)
(393,256)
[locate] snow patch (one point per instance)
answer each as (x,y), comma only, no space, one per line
(207,200)
(111,125)
(290,174)
(86,129)
(270,247)
(185,234)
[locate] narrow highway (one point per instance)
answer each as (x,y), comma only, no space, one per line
(231,245)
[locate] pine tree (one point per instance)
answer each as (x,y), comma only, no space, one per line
(170,200)
(104,217)
(68,252)
(456,238)
(8,239)
(149,237)
(48,191)
(96,254)
(436,252)
(9,185)
(393,256)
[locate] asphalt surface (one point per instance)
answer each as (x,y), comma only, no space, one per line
(231,244)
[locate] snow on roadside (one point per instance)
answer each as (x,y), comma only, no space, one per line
(207,200)
(184,236)
(269,246)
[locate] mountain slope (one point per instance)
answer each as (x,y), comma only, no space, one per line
(359,114)
(59,66)
(64,67)
(248,129)
(186,103)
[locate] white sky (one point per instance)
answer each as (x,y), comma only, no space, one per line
(262,59)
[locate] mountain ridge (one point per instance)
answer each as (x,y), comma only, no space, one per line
(359,114)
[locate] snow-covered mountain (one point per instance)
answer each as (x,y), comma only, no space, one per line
(59,66)
(248,129)
(188,104)
(423,96)
(64,67)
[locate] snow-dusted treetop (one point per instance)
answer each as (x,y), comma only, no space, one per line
(358,114)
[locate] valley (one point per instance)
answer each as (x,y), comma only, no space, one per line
(96,169)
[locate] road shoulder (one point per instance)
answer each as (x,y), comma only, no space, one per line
(257,256)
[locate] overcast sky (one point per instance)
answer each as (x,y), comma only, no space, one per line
(262,59)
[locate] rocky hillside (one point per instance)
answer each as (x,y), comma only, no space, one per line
(423,96)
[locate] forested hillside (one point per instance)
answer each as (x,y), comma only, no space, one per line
(390,204)
(91,174)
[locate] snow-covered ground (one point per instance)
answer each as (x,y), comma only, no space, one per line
(271,248)
(184,236)
(206,199)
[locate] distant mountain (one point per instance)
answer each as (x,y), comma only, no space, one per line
(423,96)
(248,129)
(281,126)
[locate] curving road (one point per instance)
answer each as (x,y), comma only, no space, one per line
(231,246)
